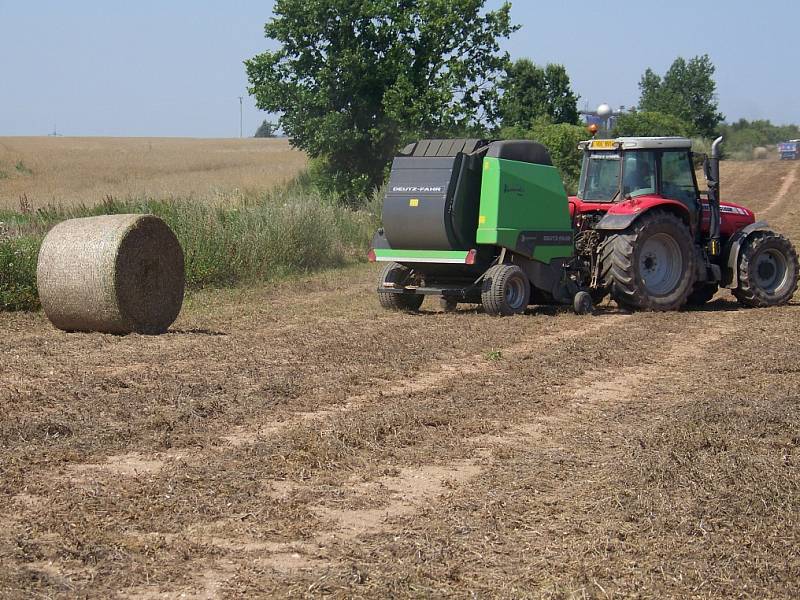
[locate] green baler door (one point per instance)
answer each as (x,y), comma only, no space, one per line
(524,208)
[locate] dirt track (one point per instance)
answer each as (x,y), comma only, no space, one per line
(299,440)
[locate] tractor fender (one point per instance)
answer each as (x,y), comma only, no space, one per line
(622,215)
(730,254)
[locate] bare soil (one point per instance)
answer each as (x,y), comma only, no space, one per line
(299,441)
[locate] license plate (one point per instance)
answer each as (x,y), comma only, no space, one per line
(602,144)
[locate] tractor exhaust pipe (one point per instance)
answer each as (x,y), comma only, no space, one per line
(712,179)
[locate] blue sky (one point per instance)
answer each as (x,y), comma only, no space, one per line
(156,68)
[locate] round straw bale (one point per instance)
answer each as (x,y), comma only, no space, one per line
(760,153)
(112,274)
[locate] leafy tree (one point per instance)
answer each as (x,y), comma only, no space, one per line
(531,92)
(650,124)
(266,130)
(561,140)
(353,80)
(687,91)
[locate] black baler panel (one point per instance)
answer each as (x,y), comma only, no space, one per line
(416,206)
(432,203)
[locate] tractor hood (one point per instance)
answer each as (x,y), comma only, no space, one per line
(733,217)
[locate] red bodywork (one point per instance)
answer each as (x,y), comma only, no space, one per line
(733,216)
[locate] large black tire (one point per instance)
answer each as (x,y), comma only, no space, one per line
(651,264)
(506,290)
(702,293)
(767,270)
(399,275)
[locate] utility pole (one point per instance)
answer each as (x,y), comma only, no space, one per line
(241,118)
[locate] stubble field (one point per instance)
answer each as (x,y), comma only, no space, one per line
(296,440)
(62,171)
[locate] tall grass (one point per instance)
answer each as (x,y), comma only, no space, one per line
(286,231)
(18,272)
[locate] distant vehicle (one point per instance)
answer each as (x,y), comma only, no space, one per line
(789,150)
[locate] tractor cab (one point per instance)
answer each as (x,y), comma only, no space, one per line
(628,167)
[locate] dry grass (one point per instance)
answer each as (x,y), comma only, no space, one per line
(296,441)
(84,171)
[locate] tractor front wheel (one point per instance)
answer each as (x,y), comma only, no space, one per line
(767,270)
(397,276)
(506,290)
(651,264)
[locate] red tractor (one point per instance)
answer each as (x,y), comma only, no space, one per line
(646,235)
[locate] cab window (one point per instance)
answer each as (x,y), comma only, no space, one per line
(599,177)
(639,174)
(677,181)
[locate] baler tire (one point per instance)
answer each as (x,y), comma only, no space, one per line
(505,291)
(582,303)
(399,275)
(702,294)
(766,249)
(624,266)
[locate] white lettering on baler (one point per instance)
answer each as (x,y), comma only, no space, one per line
(414,188)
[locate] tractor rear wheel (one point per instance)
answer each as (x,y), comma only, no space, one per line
(506,290)
(399,276)
(651,264)
(768,270)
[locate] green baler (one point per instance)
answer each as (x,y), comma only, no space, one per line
(477,222)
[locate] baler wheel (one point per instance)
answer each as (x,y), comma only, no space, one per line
(582,303)
(506,290)
(768,270)
(651,264)
(399,275)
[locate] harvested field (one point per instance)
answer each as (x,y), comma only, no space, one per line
(39,171)
(298,441)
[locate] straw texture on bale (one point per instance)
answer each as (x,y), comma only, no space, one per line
(111,274)
(760,153)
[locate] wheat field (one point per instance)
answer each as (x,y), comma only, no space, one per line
(69,171)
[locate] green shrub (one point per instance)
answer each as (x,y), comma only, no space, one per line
(18,258)
(345,187)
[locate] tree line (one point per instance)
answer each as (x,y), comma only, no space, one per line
(354,81)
